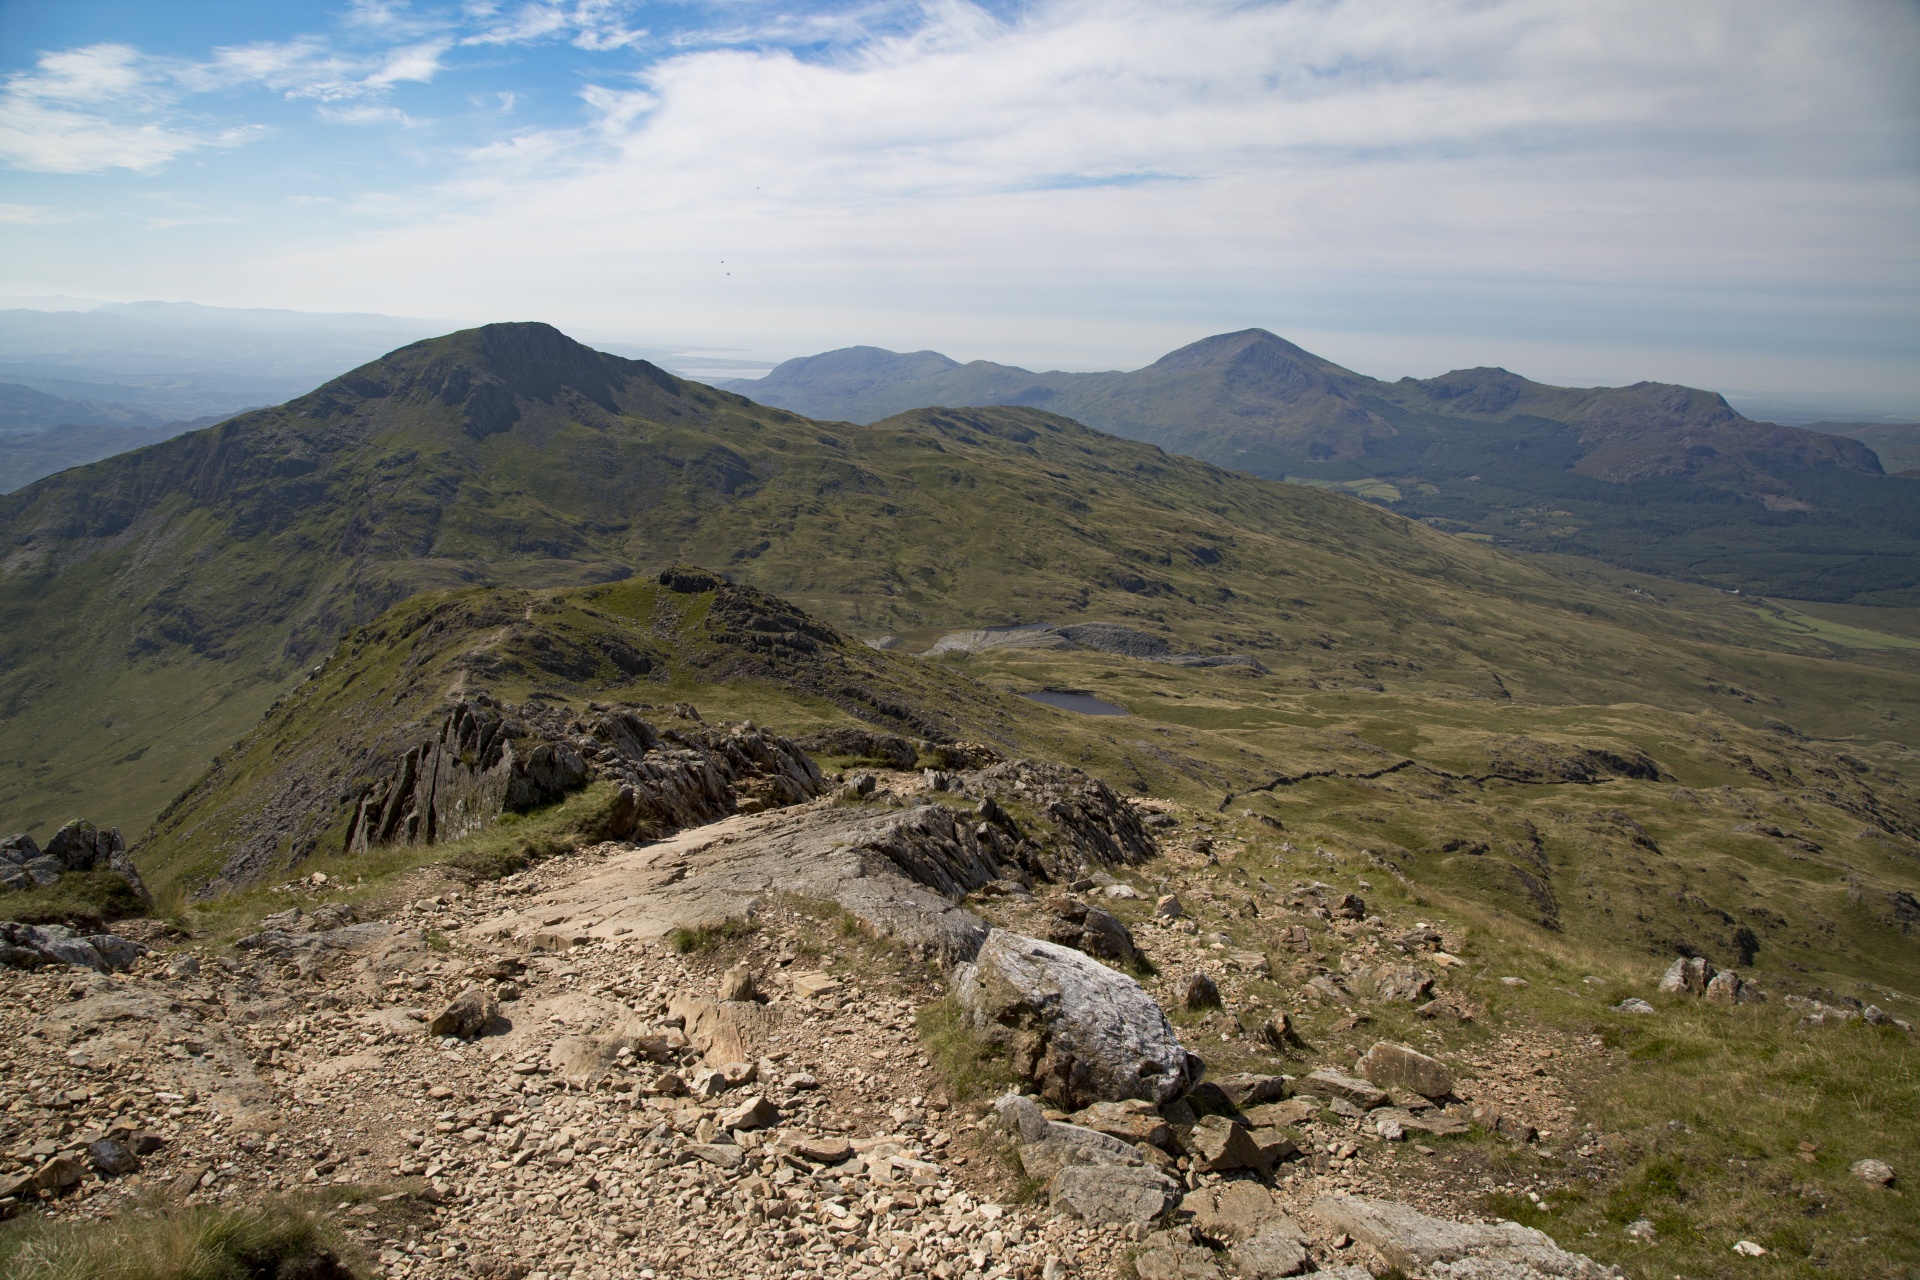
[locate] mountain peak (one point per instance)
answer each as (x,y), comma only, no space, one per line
(1243,347)
(491,373)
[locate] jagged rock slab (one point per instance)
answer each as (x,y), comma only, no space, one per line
(1422,1245)
(1078,1029)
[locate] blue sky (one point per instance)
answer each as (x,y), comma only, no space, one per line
(1722,192)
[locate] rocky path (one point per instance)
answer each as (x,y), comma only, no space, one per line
(600,1112)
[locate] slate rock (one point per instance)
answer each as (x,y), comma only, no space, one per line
(1728,987)
(26,946)
(754,1113)
(1217,1144)
(1131,1120)
(1360,1093)
(721,1154)
(1200,992)
(18,849)
(1402,982)
(466,1015)
(1634,1004)
(1396,1066)
(1080,1031)
(1088,928)
(1268,1256)
(1237,1211)
(1249,1089)
(737,983)
(112,1158)
(1065,1146)
(60,1173)
(1878,1172)
(1169,1259)
(1113,1193)
(1422,1245)
(726,1030)
(828,1150)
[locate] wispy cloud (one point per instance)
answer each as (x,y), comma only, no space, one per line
(105,106)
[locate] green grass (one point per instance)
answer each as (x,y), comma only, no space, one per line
(686,940)
(1707,1118)
(86,898)
(974,1067)
(261,1241)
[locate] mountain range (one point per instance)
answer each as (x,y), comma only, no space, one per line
(155,602)
(1659,478)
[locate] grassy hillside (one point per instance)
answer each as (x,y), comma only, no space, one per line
(156,603)
(1662,479)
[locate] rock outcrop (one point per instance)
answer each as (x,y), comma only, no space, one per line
(489,758)
(26,946)
(1080,1031)
(78,846)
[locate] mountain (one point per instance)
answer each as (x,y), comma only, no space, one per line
(156,602)
(1896,444)
(1653,477)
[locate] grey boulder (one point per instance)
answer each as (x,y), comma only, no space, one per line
(1688,975)
(1396,1066)
(1113,1193)
(1080,1031)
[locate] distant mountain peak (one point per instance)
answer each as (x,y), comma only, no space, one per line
(492,372)
(1242,347)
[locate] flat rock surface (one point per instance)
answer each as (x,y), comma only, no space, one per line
(728,868)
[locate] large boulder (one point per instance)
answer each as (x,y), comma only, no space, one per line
(78,846)
(466,1015)
(1395,1066)
(1113,1193)
(1080,1031)
(1419,1245)
(1360,1093)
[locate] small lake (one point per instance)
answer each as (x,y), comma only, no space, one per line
(1077,700)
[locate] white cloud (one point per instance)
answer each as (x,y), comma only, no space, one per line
(92,109)
(1460,165)
(595,25)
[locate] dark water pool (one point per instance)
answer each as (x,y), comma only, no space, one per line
(1076,700)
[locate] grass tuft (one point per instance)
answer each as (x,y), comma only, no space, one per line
(707,937)
(973,1064)
(271,1240)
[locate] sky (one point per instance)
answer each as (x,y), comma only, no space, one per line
(1719,192)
